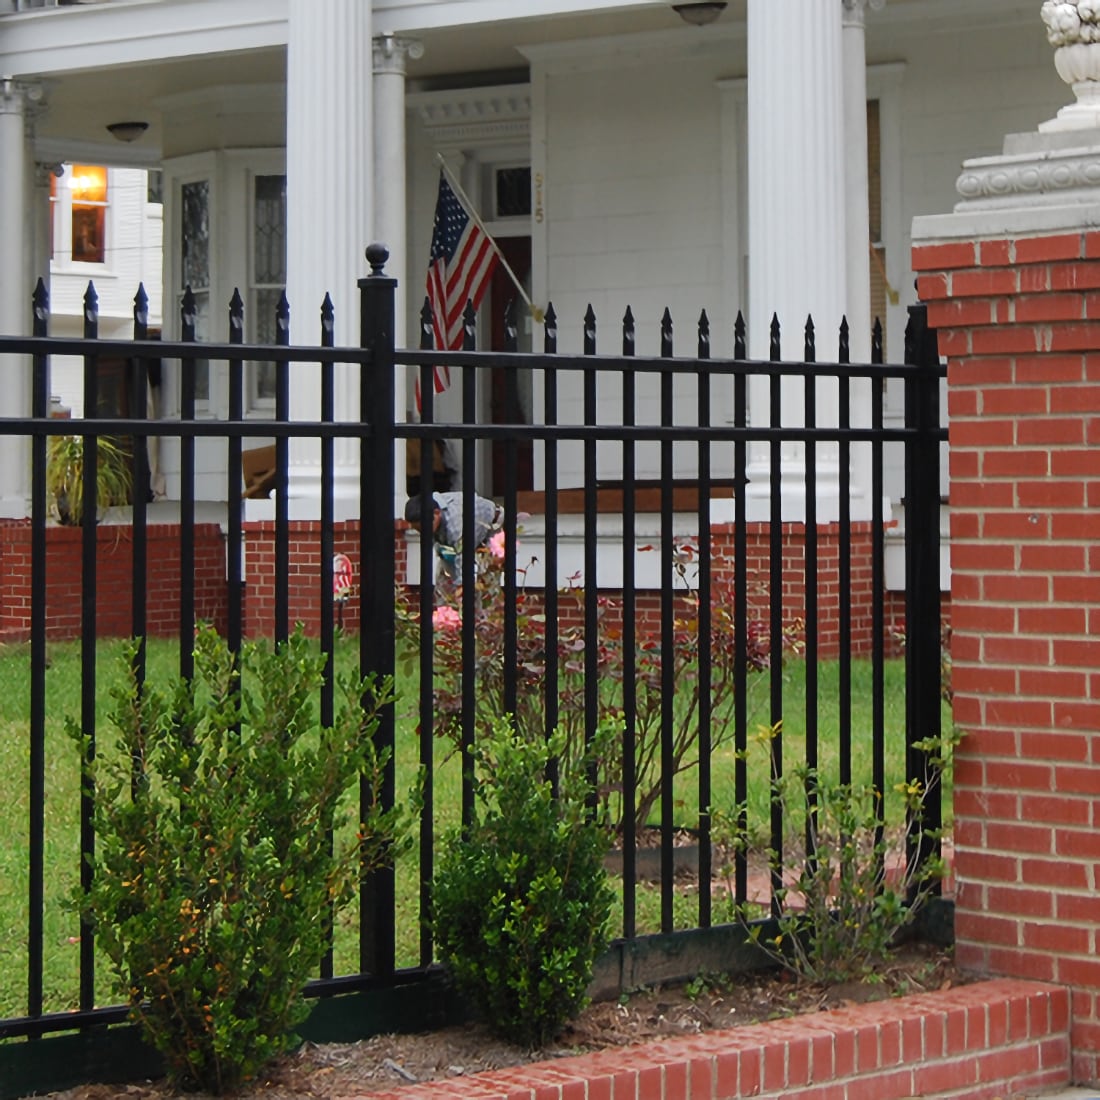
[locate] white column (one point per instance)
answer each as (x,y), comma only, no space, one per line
(856,182)
(796,220)
(857,228)
(330,187)
(15,295)
(390,214)
(38,243)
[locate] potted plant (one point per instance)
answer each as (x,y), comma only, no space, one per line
(65,476)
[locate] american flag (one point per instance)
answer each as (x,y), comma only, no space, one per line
(459,269)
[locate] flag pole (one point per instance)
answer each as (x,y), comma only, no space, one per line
(537,313)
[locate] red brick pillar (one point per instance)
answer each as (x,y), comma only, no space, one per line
(1019,322)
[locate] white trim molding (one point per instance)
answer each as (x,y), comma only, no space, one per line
(474,117)
(1054,178)
(104,35)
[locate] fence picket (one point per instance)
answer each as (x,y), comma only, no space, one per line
(89,588)
(667,429)
(36,802)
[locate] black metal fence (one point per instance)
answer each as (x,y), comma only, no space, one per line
(677,422)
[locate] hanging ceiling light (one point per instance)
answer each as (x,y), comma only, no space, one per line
(700,13)
(127,131)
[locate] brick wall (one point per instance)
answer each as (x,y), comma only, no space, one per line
(304,575)
(827,576)
(114,556)
(976,1042)
(794,588)
(1019,321)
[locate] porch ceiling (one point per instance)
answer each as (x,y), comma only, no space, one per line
(81,105)
(101,78)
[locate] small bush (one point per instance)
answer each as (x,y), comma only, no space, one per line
(215,872)
(849,885)
(522,903)
(617,664)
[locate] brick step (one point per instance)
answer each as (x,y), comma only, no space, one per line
(1000,1038)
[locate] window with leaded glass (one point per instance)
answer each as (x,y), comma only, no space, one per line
(195,268)
(881,291)
(267,277)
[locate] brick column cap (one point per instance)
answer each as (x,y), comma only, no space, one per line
(984,225)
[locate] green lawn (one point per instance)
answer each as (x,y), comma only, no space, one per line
(61,928)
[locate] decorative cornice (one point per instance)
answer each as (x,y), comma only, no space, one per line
(43,173)
(854,10)
(1031,179)
(391,52)
(26,99)
(11,97)
(22,97)
(474,115)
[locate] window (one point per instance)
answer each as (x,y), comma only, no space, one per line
(881,291)
(78,223)
(195,267)
(267,278)
(154,186)
(512,192)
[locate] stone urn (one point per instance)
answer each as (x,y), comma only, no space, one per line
(1078,63)
(1073,29)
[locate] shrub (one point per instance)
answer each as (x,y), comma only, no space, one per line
(850,884)
(613,668)
(521,902)
(216,872)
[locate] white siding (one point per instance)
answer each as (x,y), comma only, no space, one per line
(630,146)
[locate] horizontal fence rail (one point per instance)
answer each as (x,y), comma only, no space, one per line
(690,663)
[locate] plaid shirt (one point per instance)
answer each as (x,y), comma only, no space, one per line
(487,519)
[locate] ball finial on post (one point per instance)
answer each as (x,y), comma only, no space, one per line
(377,255)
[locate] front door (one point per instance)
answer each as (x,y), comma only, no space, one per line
(502,291)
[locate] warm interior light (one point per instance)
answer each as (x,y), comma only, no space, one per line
(88,183)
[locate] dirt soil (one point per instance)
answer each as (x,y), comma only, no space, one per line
(388,1061)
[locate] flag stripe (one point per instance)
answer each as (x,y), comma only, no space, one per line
(464,279)
(459,269)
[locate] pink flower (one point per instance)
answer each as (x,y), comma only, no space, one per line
(496,545)
(446,618)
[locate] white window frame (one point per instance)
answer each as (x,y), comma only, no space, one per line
(231,175)
(199,168)
(510,223)
(255,404)
(61,215)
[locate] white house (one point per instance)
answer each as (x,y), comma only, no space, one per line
(764,155)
